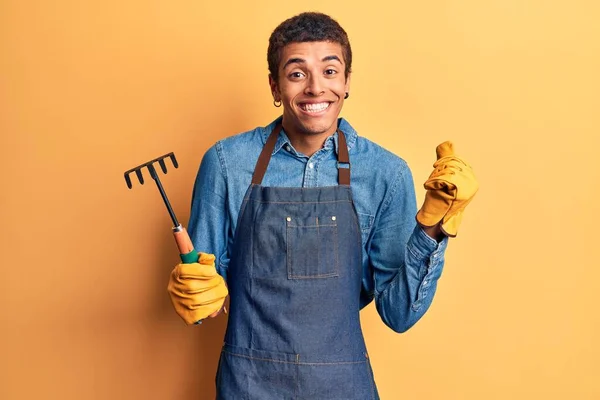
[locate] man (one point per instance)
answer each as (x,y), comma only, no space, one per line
(308,222)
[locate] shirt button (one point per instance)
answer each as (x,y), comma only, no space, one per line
(288,148)
(311,165)
(425,282)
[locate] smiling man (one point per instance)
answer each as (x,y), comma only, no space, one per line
(303,223)
(311,83)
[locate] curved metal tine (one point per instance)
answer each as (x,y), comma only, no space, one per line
(128,180)
(172,156)
(138,172)
(153,173)
(162,164)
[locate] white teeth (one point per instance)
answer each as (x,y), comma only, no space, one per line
(315,107)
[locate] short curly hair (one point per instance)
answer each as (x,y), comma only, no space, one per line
(307,27)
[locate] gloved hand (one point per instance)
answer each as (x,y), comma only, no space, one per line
(450,188)
(197,291)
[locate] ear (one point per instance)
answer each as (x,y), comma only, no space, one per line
(274,88)
(347,86)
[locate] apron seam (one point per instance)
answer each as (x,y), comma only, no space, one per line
(297,361)
(301,202)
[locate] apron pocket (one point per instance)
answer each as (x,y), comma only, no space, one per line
(343,381)
(256,374)
(312,247)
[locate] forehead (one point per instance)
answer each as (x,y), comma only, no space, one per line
(311,51)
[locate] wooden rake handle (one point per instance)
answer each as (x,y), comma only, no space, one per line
(184,244)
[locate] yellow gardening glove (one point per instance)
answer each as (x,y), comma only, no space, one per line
(450,187)
(197,291)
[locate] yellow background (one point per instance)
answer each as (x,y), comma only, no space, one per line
(89,89)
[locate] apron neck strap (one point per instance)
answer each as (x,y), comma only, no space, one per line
(343,158)
(267,151)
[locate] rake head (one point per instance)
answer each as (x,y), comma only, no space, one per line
(150,166)
(154,175)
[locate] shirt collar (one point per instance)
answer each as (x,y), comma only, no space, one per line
(283,140)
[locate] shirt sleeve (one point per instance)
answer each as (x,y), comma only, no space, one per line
(209,223)
(405,262)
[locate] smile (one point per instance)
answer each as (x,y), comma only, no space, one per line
(314,107)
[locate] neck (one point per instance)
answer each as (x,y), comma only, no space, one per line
(307,143)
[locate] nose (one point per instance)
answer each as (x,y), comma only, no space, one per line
(314,86)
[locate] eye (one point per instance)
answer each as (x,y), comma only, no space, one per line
(296,75)
(330,71)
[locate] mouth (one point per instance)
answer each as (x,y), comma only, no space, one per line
(314,108)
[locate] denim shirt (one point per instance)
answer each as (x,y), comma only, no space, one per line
(401,263)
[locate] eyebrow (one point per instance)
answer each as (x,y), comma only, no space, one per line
(297,60)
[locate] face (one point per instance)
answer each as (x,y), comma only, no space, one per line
(311,87)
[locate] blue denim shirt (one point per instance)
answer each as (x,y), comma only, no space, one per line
(401,264)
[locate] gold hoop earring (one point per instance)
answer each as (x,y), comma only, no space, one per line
(277,103)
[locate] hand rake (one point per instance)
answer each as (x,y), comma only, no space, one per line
(186,248)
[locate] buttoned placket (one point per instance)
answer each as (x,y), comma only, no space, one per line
(311,173)
(311,168)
